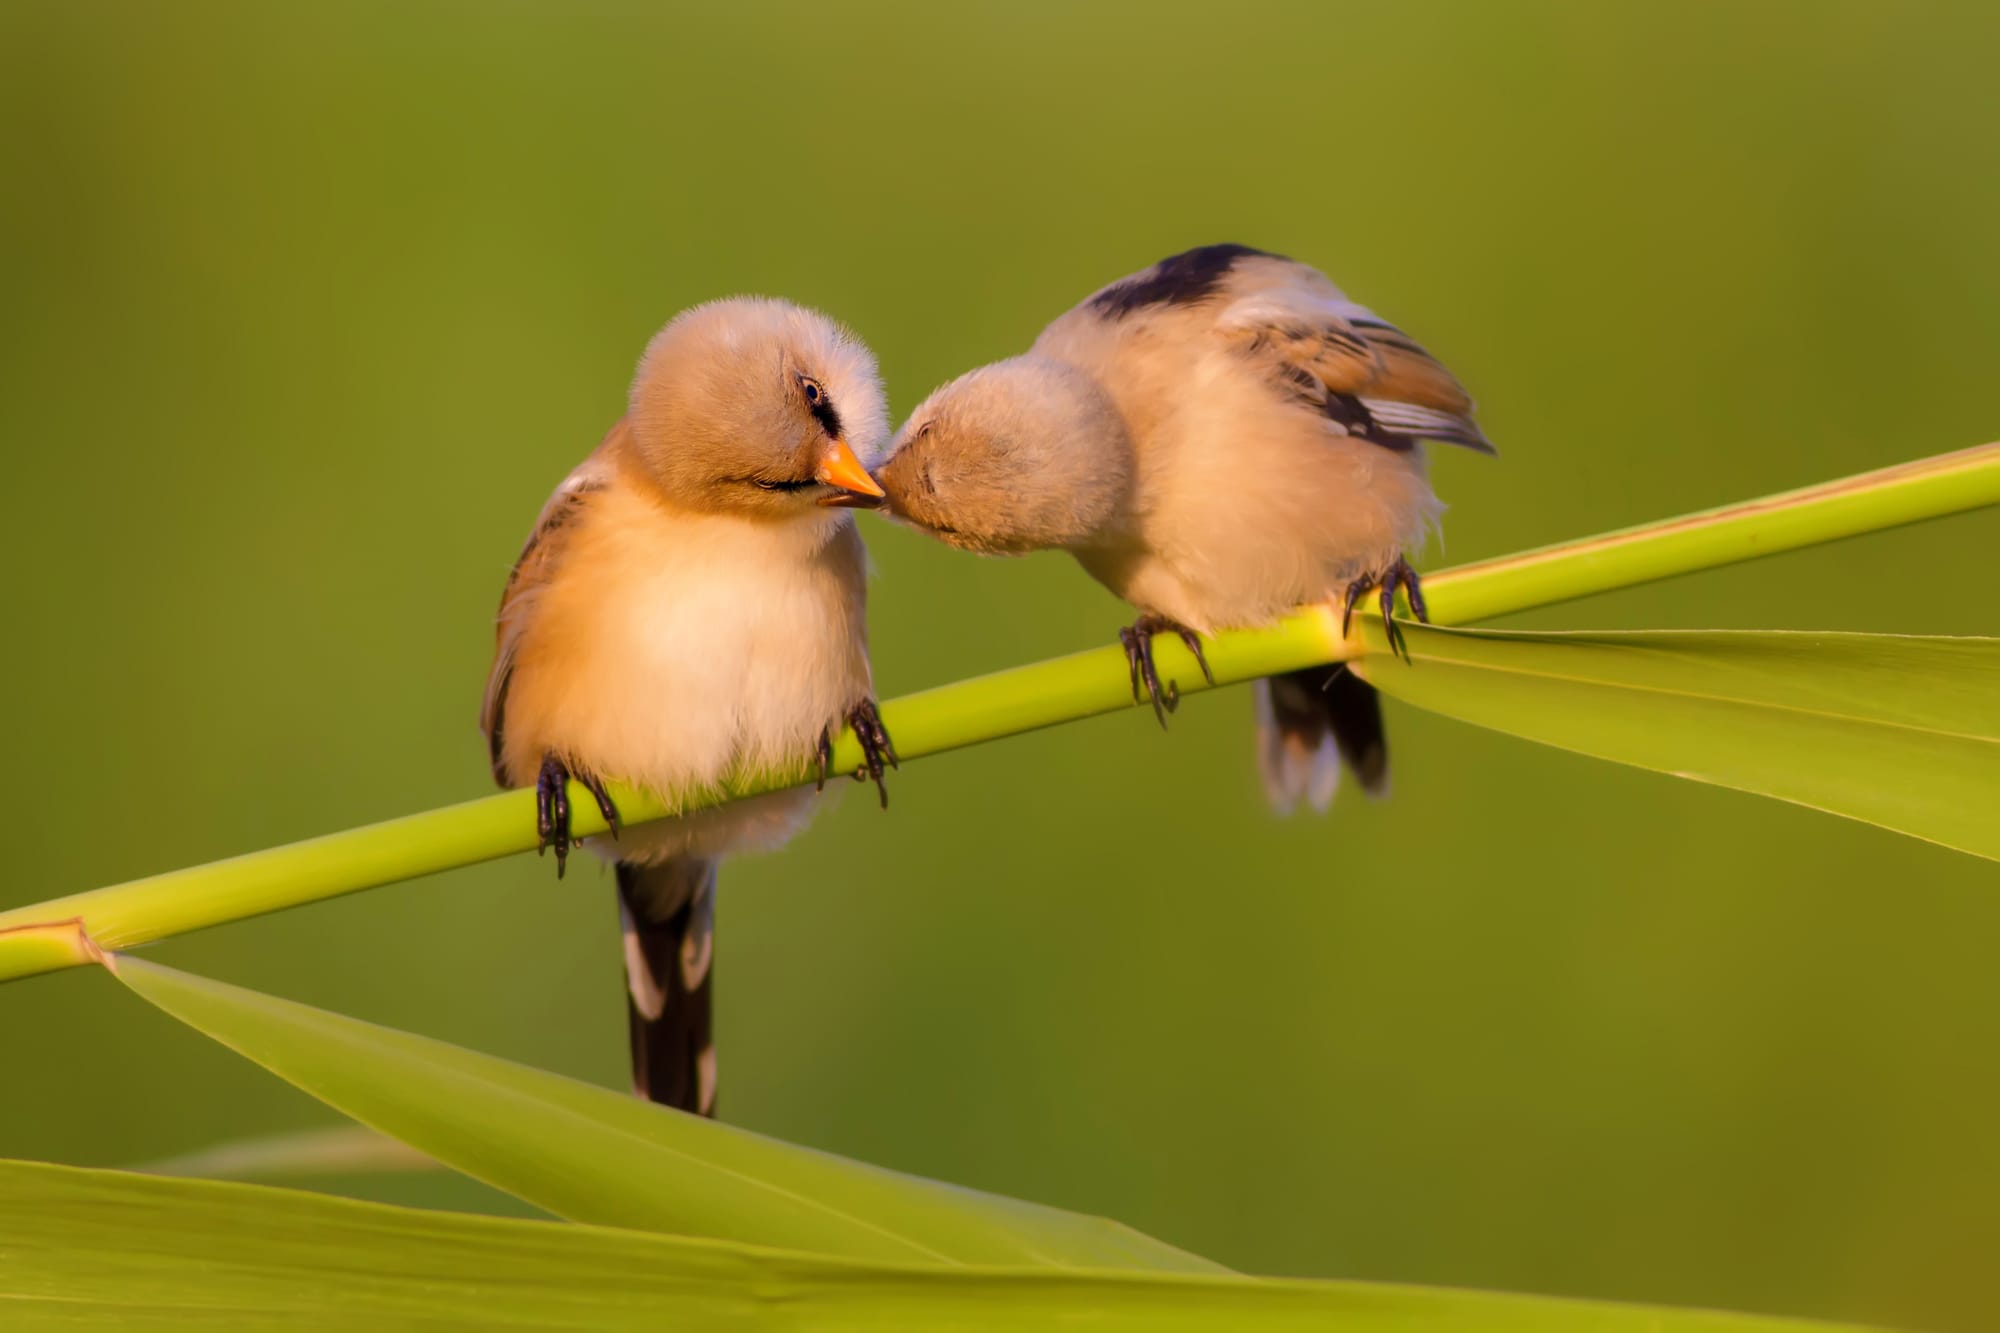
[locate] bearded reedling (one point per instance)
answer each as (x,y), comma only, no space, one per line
(1218,439)
(692,605)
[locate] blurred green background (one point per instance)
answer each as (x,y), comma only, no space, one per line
(308,306)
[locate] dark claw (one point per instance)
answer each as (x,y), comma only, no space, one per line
(605,805)
(1128,639)
(1137,640)
(1149,675)
(1397,575)
(878,752)
(1193,642)
(874,737)
(1389,625)
(1401,574)
(544,816)
(825,757)
(1415,588)
(1355,590)
(552,811)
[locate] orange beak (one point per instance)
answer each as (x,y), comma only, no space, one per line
(838,467)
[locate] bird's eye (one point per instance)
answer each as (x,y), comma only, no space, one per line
(820,403)
(925,429)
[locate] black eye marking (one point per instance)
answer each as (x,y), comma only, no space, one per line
(820,403)
(768,484)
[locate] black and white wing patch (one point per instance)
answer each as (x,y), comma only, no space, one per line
(1396,424)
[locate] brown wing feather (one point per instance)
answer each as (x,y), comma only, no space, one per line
(1407,373)
(1364,374)
(531,572)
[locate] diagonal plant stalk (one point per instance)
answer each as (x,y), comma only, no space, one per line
(1006,703)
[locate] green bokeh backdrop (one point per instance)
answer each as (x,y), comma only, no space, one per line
(307,306)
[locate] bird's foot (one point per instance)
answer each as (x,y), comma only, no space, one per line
(1137,640)
(878,752)
(552,822)
(1397,575)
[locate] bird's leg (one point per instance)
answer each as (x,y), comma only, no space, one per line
(605,805)
(1137,640)
(878,752)
(1401,574)
(1128,639)
(1397,575)
(1192,642)
(1397,648)
(1415,588)
(552,810)
(1138,645)
(1355,592)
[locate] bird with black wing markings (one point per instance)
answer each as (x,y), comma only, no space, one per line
(1218,439)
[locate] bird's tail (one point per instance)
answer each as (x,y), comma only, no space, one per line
(668,913)
(1311,722)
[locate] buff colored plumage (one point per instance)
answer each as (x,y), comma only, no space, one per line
(1218,439)
(692,605)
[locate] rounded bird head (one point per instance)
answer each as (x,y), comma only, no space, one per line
(1018,456)
(758,407)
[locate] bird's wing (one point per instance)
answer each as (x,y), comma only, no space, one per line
(1367,377)
(530,575)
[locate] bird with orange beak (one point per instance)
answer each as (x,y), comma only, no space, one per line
(1218,439)
(691,606)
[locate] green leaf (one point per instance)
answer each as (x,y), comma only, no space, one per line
(1899,731)
(1008,702)
(593,1155)
(88,1249)
(345,1149)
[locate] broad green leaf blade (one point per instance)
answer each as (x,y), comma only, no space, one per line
(593,1155)
(1899,731)
(93,1249)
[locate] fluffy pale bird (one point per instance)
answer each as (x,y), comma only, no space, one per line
(1218,439)
(691,605)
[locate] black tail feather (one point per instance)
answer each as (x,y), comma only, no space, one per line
(668,914)
(1311,722)
(1354,715)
